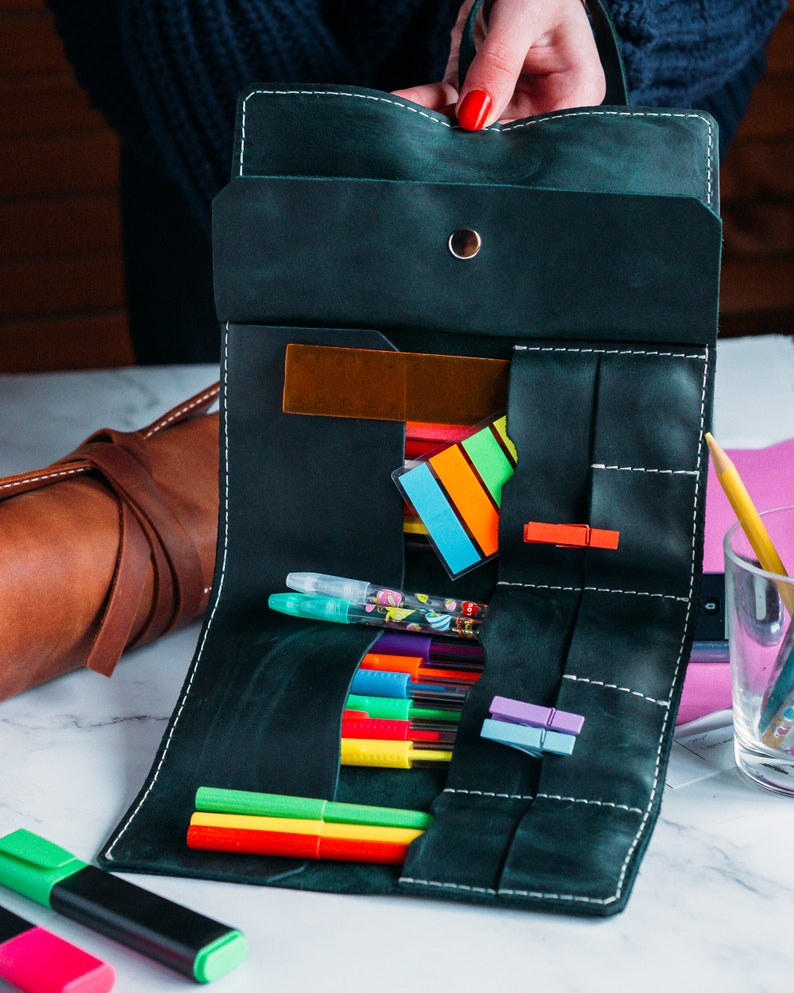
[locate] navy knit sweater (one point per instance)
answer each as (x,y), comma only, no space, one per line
(166,73)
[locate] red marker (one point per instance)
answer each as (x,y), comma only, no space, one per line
(321,844)
(386,730)
(38,961)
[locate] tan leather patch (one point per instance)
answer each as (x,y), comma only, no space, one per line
(393,386)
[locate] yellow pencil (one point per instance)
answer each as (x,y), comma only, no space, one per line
(749,518)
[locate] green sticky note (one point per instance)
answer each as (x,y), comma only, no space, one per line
(489,459)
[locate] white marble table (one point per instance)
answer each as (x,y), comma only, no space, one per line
(712,907)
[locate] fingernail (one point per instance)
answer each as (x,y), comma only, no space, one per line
(474,110)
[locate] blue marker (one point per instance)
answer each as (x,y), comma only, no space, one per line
(398,685)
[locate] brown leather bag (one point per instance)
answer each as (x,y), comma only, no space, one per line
(109,547)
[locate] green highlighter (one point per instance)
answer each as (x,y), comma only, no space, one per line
(220,801)
(182,939)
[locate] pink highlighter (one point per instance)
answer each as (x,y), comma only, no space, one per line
(38,961)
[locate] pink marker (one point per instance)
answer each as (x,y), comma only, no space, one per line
(38,961)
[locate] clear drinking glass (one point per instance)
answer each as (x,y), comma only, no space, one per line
(759,607)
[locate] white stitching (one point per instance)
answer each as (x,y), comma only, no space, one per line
(500,796)
(199,652)
(438,884)
(43,477)
(570,898)
(594,589)
(448,886)
(590,803)
(633,468)
(611,351)
(546,796)
(197,401)
(459,886)
(491,892)
(646,816)
(634,113)
(331,93)
(535,894)
(76,470)
(614,686)
(508,127)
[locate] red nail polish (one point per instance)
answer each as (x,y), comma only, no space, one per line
(474,110)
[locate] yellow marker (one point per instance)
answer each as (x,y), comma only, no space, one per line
(749,518)
(290,825)
(501,427)
(389,754)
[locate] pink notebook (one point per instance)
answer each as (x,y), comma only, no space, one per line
(768,474)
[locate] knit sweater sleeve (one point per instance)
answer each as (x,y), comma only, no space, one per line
(166,73)
(189,60)
(679,51)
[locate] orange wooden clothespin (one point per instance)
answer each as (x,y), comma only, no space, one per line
(570,535)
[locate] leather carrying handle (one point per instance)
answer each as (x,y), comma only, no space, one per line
(607,43)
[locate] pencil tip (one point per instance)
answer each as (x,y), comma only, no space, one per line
(718,457)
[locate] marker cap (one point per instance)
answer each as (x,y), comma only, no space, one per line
(38,961)
(318,608)
(220,957)
(388,708)
(397,709)
(165,931)
(278,805)
(31,865)
(317,583)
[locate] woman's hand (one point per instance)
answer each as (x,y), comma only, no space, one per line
(533,56)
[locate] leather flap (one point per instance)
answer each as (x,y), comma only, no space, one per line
(357,253)
(325,131)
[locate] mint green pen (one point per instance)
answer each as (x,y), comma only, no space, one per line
(325,608)
(222,801)
(394,708)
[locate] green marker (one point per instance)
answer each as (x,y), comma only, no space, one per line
(394,708)
(190,943)
(219,801)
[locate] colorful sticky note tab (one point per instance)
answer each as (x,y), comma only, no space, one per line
(457,492)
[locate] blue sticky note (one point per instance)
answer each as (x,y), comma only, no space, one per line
(422,490)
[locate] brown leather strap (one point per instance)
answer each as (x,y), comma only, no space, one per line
(35,479)
(122,461)
(150,535)
(195,405)
(123,601)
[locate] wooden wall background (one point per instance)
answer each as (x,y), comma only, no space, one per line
(757,294)
(61,285)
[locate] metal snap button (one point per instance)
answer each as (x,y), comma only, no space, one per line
(464,243)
